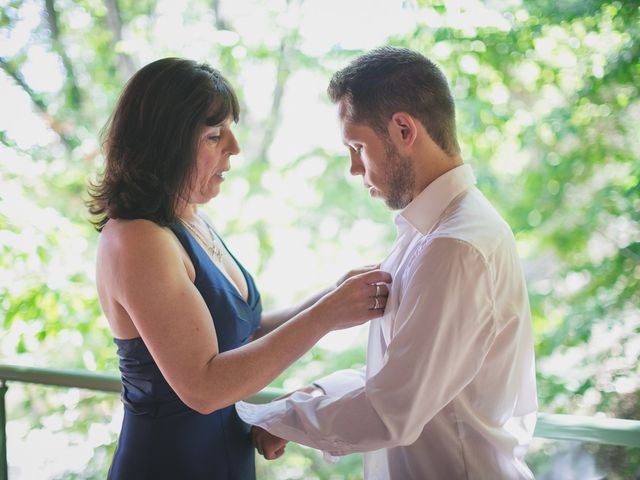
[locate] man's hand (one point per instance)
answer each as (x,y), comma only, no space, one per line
(312,389)
(268,445)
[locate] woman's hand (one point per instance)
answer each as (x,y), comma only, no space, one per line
(359,298)
(267,445)
(356,271)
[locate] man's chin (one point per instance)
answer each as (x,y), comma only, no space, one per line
(396,203)
(393,206)
(392,203)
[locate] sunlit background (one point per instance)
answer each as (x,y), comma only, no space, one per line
(547,104)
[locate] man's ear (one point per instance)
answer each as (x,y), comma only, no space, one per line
(403,129)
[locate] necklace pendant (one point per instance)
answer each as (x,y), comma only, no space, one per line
(211,248)
(216,253)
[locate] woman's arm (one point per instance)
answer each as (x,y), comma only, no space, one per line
(142,269)
(273,319)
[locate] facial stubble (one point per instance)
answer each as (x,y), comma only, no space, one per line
(401,178)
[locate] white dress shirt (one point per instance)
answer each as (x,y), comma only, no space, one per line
(449,387)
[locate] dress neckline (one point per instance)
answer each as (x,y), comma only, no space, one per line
(232,287)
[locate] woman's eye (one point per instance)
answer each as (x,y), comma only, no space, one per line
(214,138)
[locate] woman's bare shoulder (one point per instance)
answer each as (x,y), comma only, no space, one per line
(130,229)
(119,233)
(137,238)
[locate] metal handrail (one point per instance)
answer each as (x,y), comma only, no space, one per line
(605,430)
(611,431)
(102,382)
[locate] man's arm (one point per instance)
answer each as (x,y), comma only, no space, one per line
(444,327)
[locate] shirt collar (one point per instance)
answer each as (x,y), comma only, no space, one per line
(425,209)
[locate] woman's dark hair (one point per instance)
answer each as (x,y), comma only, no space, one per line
(387,80)
(150,141)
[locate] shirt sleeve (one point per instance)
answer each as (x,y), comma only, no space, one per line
(338,383)
(442,331)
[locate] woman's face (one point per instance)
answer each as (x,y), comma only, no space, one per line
(216,144)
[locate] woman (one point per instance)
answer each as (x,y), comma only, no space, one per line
(182,310)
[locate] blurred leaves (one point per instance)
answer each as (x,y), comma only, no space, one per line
(548,108)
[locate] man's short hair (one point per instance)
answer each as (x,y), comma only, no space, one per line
(389,79)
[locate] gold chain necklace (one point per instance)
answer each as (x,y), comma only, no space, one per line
(212,248)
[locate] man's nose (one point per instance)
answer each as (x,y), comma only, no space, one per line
(357,167)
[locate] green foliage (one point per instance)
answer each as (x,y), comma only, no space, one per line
(547,104)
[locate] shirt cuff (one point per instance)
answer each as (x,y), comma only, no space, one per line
(338,383)
(275,418)
(259,414)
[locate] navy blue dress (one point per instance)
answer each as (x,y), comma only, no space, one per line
(161,437)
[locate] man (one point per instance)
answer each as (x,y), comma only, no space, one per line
(449,389)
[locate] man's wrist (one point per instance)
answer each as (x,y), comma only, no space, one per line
(312,389)
(317,390)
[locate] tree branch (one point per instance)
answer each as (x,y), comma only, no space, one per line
(282,75)
(114,20)
(221,24)
(38,102)
(73,92)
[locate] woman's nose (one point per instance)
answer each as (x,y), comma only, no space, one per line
(233,146)
(357,167)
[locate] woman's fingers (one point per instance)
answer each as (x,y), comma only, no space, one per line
(372,291)
(357,271)
(358,300)
(366,268)
(378,303)
(379,294)
(374,276)
(379,290)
